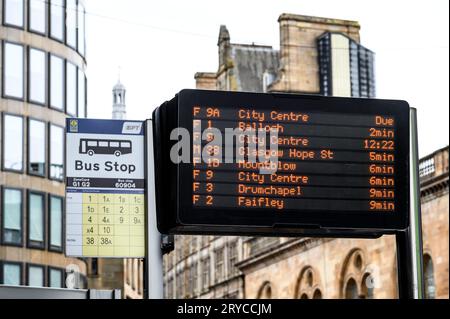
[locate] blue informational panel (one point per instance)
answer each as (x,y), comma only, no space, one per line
(105,203)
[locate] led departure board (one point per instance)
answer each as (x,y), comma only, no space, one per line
(272,164)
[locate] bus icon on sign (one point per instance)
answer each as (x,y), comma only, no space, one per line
(105,147)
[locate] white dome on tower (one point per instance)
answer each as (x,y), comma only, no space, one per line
(119,105)
(119,87)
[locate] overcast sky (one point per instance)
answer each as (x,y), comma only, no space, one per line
(160,45)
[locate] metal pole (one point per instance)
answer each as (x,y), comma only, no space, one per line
(404,268)
(416,212)
(154,258)
(409,242)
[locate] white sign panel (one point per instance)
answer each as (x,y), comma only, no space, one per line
(105,205)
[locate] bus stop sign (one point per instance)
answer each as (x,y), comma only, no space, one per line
(105,205)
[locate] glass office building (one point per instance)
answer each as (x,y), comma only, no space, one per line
(346,67)
(43,64)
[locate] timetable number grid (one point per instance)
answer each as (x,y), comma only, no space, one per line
(113,224)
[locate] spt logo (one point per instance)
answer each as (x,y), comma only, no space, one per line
(133,128)
(73,126)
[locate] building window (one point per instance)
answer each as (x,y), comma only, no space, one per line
(193,248)
(188,281)
(94,267)
(268,78)
(323,45)
(351,289)
(56,223)
(37,140)
(308,285)
(133,275)
(205,273)
(11,274)
(204,240)
(194,276)
(37,16)
(12,219)
(140,277)
(57,83)
(13,140)
(56,153)
(35,276)
(57,20)
(169,261)
(186,246)
(356,283)
(366,73)
(430,286)
(219,265)
(169,288)
(71,93)
(13,13)
(36,220)
(232,258)
(13,70)
(71,23)
(55,278)
(81,94)
(265,292)
(81,30)
(354,69)
(179,283)
(178,244)
(129,270)
(37,76)
(317,294)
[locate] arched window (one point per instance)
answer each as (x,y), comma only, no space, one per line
(265,292)
(308,286)
(428,270)
(317,294)
(351,289)
(367,286)
(357,280)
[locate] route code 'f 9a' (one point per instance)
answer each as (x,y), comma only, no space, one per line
(341,169)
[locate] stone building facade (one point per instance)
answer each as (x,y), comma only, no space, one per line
(434,194)
(124,274)
(248,267)
(299,62)
(43,65)
(344,268)
(308,47)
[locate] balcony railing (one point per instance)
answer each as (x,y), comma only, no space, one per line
(434,165)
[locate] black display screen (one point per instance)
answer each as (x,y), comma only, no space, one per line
(331,164)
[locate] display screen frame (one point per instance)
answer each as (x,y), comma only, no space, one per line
(248,221)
